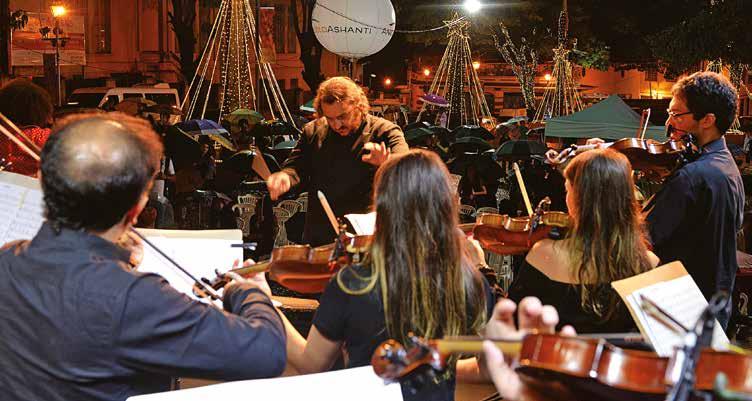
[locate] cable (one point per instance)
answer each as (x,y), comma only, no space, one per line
(449,25)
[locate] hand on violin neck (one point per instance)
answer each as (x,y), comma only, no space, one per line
(595,141)
(252,280)
(532,316)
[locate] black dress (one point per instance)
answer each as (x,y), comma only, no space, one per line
(358,322)
(565,297)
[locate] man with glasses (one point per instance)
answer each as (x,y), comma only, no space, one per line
(694,218)
(337,154)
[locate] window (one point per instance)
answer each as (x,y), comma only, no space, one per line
(651,75)
(292,38)
(162,98)
(514,101)
(131,95)
(100,23)
(280,13)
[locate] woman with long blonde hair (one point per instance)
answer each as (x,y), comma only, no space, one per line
(420,276)
(606,242)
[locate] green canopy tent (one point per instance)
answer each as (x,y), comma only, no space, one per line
(308,107)
(608,119)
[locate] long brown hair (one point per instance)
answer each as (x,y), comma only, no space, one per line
(607,241)
(417,257)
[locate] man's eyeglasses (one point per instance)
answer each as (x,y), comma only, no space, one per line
(673,114)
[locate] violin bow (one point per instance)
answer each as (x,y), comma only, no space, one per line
(646,118)
(518,174)
(328,211)
(17,136)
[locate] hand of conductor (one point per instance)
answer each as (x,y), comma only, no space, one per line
(378,153)
(278,183)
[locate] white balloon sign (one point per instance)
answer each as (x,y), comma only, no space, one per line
(354,28)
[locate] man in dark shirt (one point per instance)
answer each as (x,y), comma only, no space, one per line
(338,155)
(694,218)
(77,324)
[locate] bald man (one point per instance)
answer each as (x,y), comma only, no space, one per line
(77,324)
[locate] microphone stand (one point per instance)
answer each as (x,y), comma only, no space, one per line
(695,340)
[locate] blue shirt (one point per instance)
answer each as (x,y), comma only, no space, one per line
(694,219)
(76,324)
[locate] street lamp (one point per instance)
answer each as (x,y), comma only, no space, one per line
(370,81)
(547,77)
(388,82)
(476,65)
(58,11)
(472,6)
(426,72)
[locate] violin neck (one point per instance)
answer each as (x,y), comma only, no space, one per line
(474,345)
(257,268)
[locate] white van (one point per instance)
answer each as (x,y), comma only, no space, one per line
(108,98)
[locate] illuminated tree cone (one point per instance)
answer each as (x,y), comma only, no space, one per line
(561,96)
(457,81)
(735,73)
(230,60)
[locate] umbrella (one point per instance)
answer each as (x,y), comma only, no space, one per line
(417,124)
(280,127)
(182,148)
(469,144)
(473,131)
(164,109)
(282,150)
(518,150)
(415,135)
(515,120)
(134,105)
(307,107)
(196,128)
(435,100)
(252,116)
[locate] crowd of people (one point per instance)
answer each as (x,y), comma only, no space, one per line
(78,322)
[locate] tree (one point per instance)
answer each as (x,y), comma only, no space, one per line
(182,20)
(9,22)
(310,48)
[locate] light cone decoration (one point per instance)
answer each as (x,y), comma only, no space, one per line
(230,59)
(455,77)
(561,96)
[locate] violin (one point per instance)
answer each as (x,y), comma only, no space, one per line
(303,268)
(588,361)
(646,155)
(507,235)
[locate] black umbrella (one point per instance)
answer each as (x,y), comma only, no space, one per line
(416,136)
(282,150)
(472,131)
(417,124)
(182,148)
(519,150)
(469,144)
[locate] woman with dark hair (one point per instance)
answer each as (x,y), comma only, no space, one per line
(420,276)
(29,107)
(607,242)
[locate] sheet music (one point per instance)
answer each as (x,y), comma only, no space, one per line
(199,252)
(363,224)
(682,299)
(21,207)
(361,384)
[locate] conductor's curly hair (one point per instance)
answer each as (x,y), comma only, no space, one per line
(341,89)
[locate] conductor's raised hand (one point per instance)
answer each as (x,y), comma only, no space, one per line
(377,153)
(278,184)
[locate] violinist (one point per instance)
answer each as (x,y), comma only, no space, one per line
(338,155)
(420,276)
(607,242)
(77,323)
(695,216)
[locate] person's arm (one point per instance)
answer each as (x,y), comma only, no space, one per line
(161,330)
(395,138)
(313,355)
(298,164)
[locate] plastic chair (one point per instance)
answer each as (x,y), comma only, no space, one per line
(303,200)
(490,210)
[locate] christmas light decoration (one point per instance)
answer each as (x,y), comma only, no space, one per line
(735,74)
(230,59)
(456,76)
(561,96)
(523,61)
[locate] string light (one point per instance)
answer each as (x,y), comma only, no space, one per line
(736,77)
(523,61)
(561,96)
